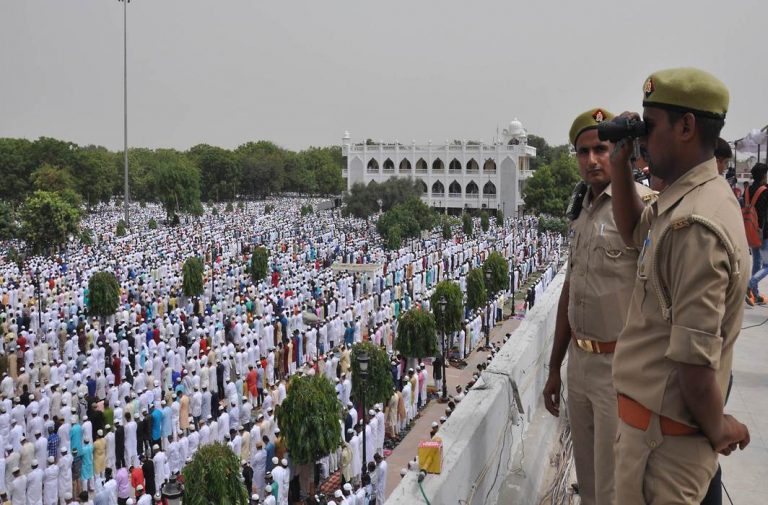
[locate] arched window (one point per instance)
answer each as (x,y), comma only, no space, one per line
(472,166)
(472,189)
(438,189)
(454,189)
(489,166)
(438,165)
(421,165)
(489,189)
(455,166)
(514,142)
(405,166)
(421,185)
(389,165)
(373,166)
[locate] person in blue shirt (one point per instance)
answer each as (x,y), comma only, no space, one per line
(91,385)
(270,448)
(157,424)
(76,436)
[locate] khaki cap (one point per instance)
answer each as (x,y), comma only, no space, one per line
(588,121)
(686,89)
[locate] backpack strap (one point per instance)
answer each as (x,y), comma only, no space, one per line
(759,192)
(662,293)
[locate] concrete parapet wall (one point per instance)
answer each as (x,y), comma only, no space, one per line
(487,437)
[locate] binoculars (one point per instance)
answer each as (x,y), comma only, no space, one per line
(621,128)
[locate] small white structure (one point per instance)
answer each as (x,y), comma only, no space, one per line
(453,176)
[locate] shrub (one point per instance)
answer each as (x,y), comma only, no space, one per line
(152,224)
(466,224)
(553,224)
(484,222)
(192,273)
(120,231)
(229,207)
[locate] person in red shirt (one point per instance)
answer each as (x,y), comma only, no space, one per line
(116,369)
(137,476)
(22,343)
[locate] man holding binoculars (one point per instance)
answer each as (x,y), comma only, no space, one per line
(673,360)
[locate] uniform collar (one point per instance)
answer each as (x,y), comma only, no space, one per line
(692,179)
(587,203)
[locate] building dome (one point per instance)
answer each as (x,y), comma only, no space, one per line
(516,129)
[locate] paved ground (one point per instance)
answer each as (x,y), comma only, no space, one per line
(745,474)
(408,447)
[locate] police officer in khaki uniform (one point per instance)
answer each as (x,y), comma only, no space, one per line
(593,304)
(674,357)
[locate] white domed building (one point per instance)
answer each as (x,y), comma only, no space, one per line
(453,175)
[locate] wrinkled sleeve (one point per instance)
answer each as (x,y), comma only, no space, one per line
(641,228)
(696,274)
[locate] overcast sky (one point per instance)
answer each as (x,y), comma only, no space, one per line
(300,72)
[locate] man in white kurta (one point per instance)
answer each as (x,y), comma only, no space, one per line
(35,485)
(51,483)
(18,488)
(65,473)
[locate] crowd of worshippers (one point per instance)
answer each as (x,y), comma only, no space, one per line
(110,409)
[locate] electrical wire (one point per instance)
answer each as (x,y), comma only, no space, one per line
(424,494)
(502,436)
(754,325)
(726,492)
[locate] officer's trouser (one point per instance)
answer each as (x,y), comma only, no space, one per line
(593,413)
(655,469)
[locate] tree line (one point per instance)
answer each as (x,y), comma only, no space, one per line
(177,179)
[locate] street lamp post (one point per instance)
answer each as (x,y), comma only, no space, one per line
(362,362)
(442,303)
(487,315)
(213,260)
(39,301)
(126,197)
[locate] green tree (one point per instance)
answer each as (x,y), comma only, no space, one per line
(309,418)
(321,166)
(359,201)
(466,224)
(545,153)
(477,296)
(259,264)
(554,224)
(9,228)
(121,229)
(152,224)
(47,221)
(451,320)
(499,218)
(176,181)
(86,236)
(50,178)
(446,230)
(417,334)
(499,271)
(220,172)
(213,476)
(549,189)
(394,238)
(192,273)
(410,218)
(103,294)
(94,174)
(15,166)
(378,386)
(484,222)
(263,167)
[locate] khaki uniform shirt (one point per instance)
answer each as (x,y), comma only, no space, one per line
(705,293)
(601,270)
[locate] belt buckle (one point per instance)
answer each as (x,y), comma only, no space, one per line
(586,345)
